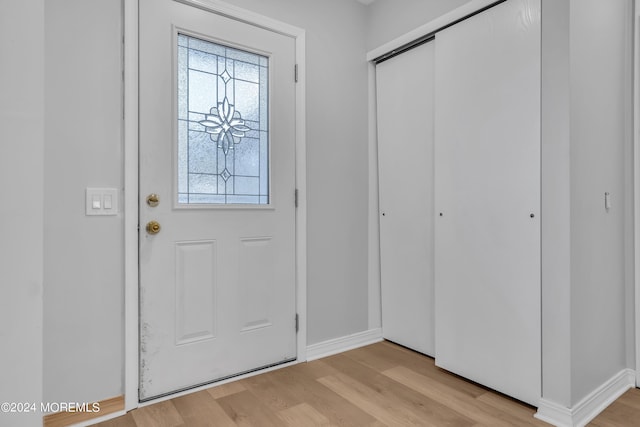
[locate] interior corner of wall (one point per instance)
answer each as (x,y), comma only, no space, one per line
(581,413)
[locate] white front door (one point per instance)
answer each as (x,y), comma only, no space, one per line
(217,213)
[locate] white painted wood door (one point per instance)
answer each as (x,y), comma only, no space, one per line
(405,97)
(488,324)
(217,282)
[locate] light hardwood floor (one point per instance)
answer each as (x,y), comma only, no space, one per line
(378,385)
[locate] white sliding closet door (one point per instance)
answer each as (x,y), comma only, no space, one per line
(487,176)
(405,148)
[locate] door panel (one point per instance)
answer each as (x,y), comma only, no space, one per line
(488,325)
(405,96)
(257,285)
(195,291)
(217,282)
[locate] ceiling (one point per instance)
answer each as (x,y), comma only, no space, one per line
(367,2)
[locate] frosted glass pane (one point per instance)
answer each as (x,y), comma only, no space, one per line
(254,132)
(248,72)
(196,126)
(222,66)
(202,91)
(247,200)
(222,161)
(202,153)
(229,184)
(206,46)
(264,99)
(202,61)
(202,183)
(183,75)
(243,56)
(222,185)
(195,118)
(183,156)
(264,164)
(205,199)
(223,139)
(246,185)
(247,158)
(229,162)
(247,99)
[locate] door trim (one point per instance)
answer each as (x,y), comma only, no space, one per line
(636,179)
(131,178)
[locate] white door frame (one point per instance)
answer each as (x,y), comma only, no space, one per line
(131,177)
(636,178)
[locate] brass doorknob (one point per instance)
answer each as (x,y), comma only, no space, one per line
(153,200)
(153,227)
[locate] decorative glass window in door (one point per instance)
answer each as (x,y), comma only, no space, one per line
(223,133)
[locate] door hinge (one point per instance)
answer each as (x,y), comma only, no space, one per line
(295,72)
(295,197)
(297,322)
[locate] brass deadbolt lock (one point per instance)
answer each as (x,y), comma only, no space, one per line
(153,227)
(153,200)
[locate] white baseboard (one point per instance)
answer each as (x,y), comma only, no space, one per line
(100,419)
(589,407)
(338,345)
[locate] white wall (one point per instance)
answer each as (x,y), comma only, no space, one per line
(389,19)
(83,261)
(556,204)
(21,206)
(586,142)
(600,56)
(337,160)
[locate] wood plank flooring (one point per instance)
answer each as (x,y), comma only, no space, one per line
(378,385)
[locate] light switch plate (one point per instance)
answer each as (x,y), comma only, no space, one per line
(101,201)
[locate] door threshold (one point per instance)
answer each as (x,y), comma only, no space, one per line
(218,381)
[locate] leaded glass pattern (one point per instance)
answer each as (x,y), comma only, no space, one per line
(223,133)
